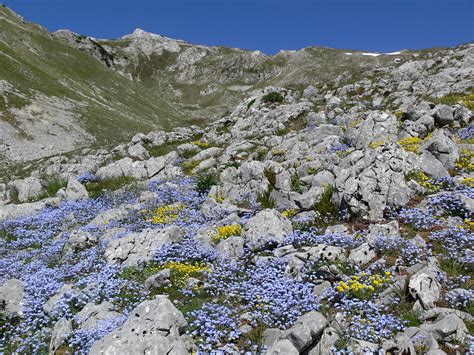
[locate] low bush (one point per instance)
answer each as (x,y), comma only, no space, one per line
(273,97)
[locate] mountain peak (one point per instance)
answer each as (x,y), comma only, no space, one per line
(140,33)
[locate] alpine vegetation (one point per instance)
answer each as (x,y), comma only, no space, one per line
(333,216)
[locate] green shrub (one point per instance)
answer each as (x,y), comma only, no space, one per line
(273,97)
(188,166)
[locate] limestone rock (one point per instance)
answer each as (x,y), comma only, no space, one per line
(265,227)
(136,248)
(153,327)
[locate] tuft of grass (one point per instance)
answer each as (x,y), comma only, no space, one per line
(271,176)
(205,181)
(53,186)
(97,188)
(273,97)
(296,184)
(265,200)
(327,211)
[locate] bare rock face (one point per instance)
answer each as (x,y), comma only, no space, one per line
(140,247)
(450,328)
(27,189)
(306,331)
(372,180)
(378,126)
(267,226)
(247,181)
(153,327)
(11,297)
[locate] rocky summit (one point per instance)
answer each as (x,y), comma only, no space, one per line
(159,197)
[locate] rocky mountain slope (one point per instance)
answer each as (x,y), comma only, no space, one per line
(325,216)
(102,92)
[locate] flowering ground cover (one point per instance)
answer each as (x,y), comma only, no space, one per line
(229,303)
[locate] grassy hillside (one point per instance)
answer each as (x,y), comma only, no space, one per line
(110,106)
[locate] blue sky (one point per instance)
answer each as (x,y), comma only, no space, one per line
(372,25)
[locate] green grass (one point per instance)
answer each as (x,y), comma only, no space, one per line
(452,99)
(189,166)
(163,149)
(178,280)
(96,189)
(271,176)
(412,318)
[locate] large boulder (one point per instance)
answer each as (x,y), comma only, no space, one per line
(79,240)
(138,152)
(306,331)
(443,115)
(161,167)
(13,211)
(136,248)
(122,167)
(266,227)
(372,180)
(154,327)
(59,335)
(283,347)
(11,297)
(73,191)
(247,181)
(27,189)
(424,286)
(442,148)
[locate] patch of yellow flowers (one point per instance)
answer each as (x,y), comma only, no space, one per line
(201,144)
(422,179)
(185,268)
(225,232)
(355,123)
(290,213)
(376,144)
(411,144)
(468,181)
(167,214)
(465,161)
(364,283)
